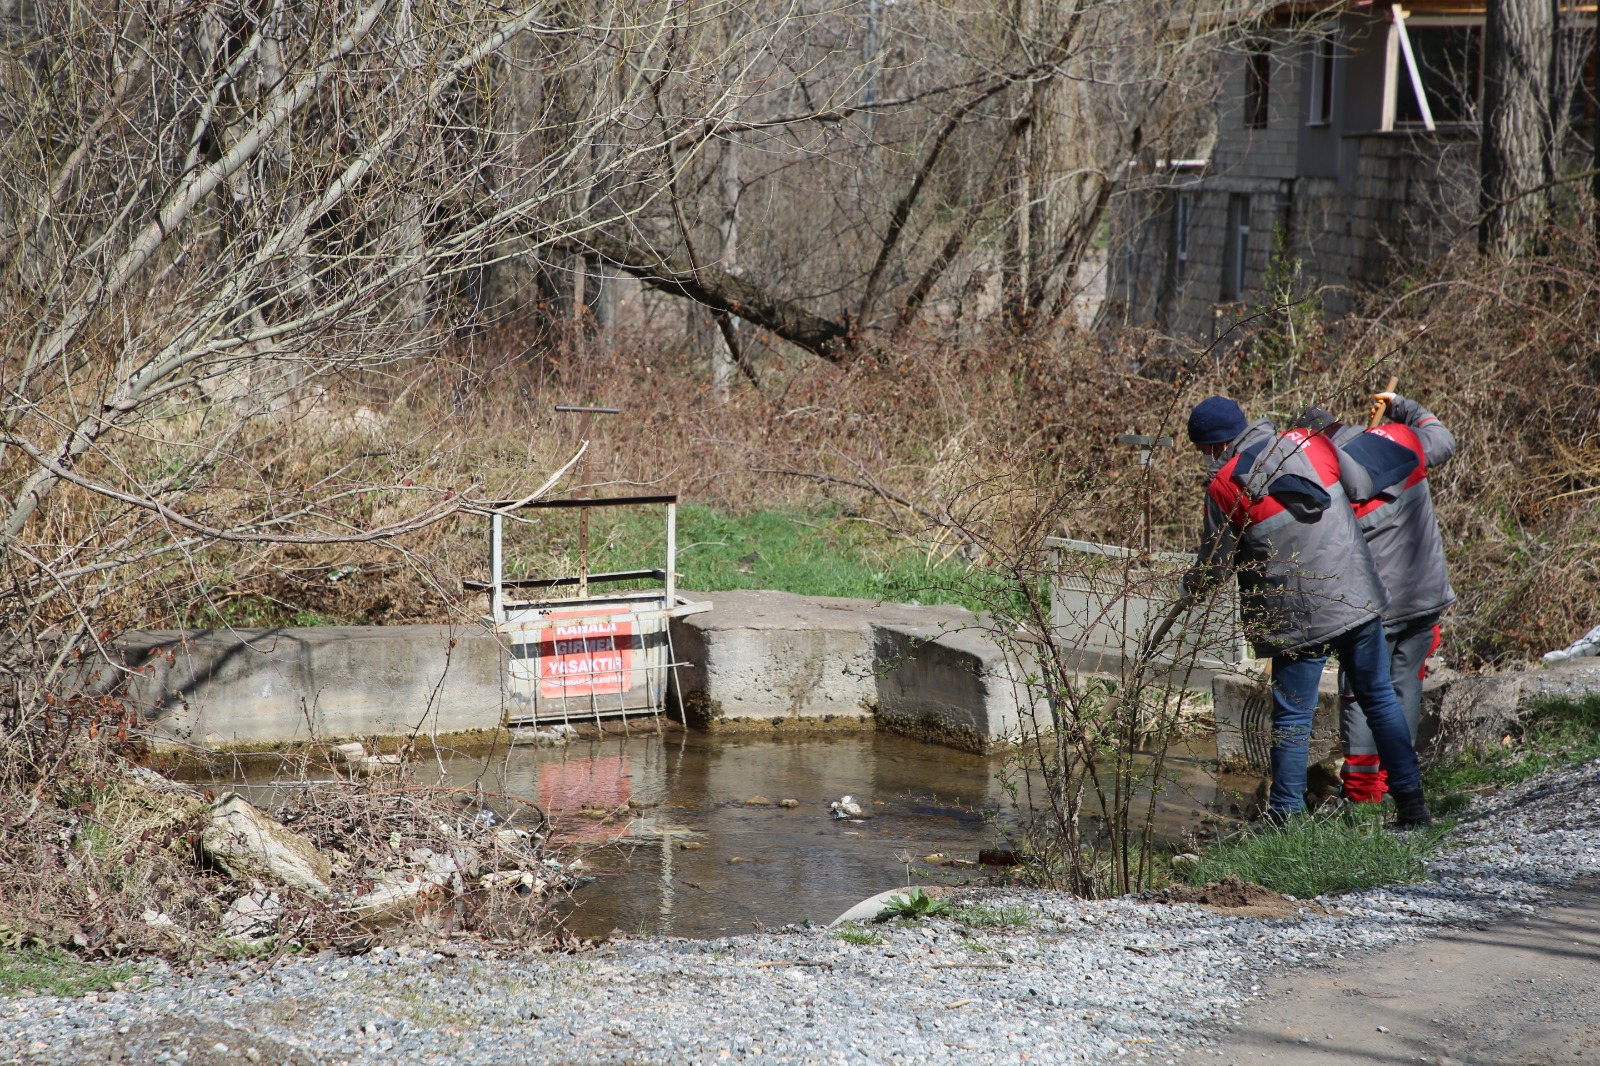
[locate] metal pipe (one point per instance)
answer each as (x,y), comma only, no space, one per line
(497,607)
(672,553)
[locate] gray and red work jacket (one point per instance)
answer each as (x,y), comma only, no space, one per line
(1278,514)
(1398,522)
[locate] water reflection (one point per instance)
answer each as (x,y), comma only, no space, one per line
(700,860)
(689,855)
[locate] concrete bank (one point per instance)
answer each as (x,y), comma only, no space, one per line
(757,661)
(223,688)
(763,660)
(1458,710)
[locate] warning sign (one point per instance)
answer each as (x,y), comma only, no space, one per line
(586,658)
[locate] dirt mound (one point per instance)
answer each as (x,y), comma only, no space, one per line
(1234,896)
(1229,892)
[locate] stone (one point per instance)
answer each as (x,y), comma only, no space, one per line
(253,915)
(248,845)
(523,882)
(758,801)
(845,807)
(512,839)
(789,803)
(394,895)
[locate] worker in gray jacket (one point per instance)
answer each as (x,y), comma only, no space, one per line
(1402,534)
(1277,515)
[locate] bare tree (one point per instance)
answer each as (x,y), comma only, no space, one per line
(210,214)
(891,158)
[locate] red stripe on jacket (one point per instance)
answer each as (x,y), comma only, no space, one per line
(1404,436)
(1243,511)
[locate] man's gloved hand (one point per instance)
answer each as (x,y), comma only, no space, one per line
(1195,580)
(1385,398)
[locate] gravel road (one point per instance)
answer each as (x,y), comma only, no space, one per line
(1081,982)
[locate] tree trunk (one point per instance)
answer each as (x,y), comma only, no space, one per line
(1517,151)
(723,359)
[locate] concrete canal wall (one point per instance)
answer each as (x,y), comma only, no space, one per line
(772,660)
(758,661)
(219,688)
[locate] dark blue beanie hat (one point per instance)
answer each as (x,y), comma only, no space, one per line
(1215,420)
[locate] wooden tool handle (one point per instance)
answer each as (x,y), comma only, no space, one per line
(1185,601)
(1381,406)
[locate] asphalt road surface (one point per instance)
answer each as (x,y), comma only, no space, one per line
(1523,992)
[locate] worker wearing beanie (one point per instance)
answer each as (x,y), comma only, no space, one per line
(1402,533)
(1277,515)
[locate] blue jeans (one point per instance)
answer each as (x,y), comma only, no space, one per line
(1364,654)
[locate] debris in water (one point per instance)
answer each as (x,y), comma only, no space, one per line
(845,807)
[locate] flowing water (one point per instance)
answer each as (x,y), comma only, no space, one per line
(697,858)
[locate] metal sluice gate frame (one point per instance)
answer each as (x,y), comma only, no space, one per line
(585,656)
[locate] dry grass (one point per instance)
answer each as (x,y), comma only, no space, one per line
(109,862)
(942,438)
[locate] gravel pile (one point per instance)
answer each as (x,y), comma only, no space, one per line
(1080,982)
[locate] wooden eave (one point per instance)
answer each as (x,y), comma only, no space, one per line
(1296,10)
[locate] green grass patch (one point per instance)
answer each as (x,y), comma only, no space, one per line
(1320,854)
(57,973)
(1352,849)
(982,915)
(807,554)
(855,934)
(1553,733)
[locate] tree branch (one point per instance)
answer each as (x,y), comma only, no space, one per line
(831,338)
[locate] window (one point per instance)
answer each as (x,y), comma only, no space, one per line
(1236,250)
(1257,85)
(1449,68)
(1579,56)
(1181,210)
(1320,112)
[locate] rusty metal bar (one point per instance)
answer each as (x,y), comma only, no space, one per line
(580,501)
(554,582)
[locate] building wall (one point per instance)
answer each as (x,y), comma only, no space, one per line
(1348,197)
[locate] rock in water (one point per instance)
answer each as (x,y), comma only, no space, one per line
(249,845)
(845,807)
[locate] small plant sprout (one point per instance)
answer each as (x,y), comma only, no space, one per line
(905,859)
(913,906)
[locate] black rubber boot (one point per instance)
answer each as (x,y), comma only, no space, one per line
(1411,810)
(1276,819)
